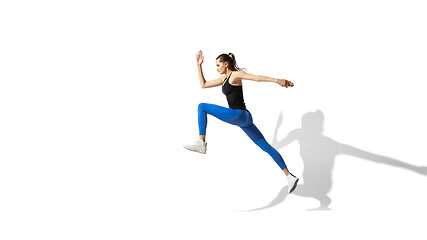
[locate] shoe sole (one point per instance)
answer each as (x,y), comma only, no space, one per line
(195,150)
(294,186)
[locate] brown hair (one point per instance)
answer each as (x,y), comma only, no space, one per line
(231,59)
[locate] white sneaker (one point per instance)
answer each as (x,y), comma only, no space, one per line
(199,146)
(292,182)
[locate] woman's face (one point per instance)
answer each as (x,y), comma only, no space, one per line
(221,67)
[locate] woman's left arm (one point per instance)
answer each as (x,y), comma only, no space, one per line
(258,78)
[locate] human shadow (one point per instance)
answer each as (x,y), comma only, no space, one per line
(318,153)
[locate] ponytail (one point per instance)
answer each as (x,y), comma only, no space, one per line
(231,59)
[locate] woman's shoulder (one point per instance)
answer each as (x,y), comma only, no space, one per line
(238,74)
(235,78)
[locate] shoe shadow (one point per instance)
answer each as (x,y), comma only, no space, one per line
(318,153)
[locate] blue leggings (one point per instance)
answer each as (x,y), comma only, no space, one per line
(240,118)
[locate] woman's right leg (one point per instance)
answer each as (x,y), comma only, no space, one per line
(222,113)
(235,117)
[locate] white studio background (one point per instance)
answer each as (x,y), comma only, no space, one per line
(98,97)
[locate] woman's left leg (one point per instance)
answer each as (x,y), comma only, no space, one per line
(256,136)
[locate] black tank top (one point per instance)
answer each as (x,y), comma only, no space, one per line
(234,95)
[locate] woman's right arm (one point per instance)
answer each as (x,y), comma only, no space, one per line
(203,83)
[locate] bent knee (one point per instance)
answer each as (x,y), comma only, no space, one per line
(201,107)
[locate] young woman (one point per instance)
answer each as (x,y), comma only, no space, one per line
(237,114)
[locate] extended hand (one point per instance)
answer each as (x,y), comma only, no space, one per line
(285,83)
(199,57)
